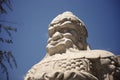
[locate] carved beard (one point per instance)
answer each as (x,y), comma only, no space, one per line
(60,44)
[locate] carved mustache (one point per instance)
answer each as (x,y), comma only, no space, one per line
(57,37)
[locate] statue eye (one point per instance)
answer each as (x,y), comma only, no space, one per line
(72,32)
(65,31)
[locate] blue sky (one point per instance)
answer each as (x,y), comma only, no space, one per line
(32,17)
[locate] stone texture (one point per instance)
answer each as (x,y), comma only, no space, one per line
(69,56)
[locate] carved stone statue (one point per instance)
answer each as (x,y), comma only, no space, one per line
(69,56)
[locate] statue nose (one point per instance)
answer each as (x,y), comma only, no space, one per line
(57,36)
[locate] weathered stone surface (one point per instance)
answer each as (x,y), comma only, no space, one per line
(69,56)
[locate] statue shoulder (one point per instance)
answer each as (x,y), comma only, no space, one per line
(102,53)
(89,54)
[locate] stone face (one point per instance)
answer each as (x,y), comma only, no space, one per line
(69,57)
(66,31)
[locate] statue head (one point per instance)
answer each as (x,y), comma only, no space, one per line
(66,31)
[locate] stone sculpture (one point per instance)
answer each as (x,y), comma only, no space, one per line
(69,56)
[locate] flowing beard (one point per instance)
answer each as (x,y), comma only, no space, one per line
(60,46)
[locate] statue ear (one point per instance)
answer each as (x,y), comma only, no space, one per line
(88,47)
